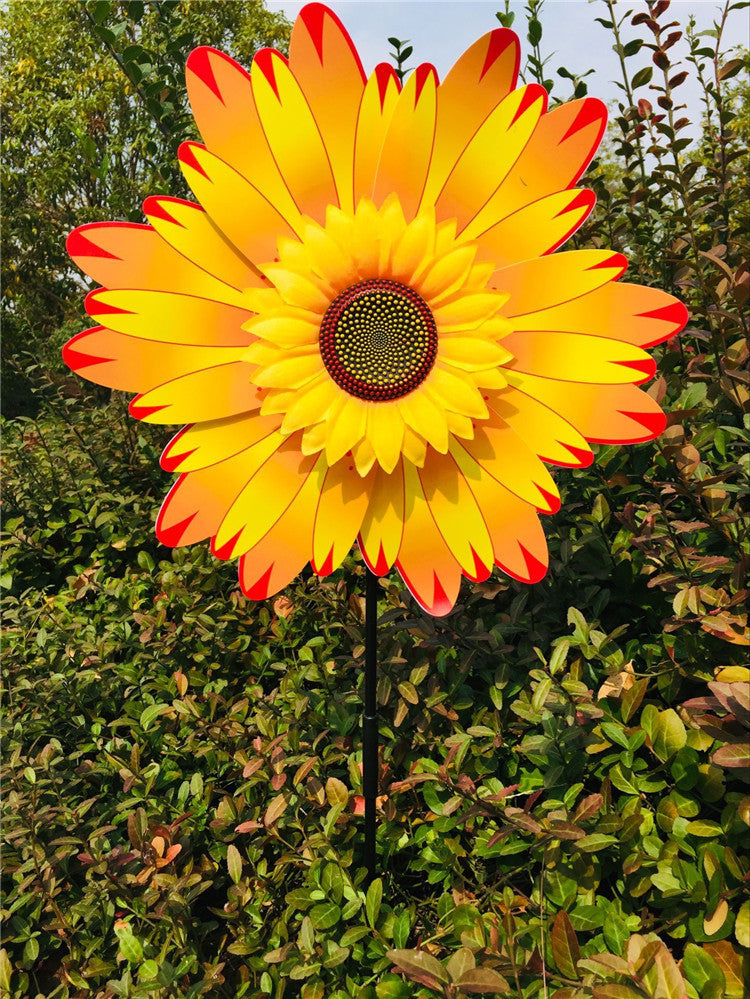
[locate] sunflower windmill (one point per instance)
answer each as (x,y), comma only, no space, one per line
(363,324)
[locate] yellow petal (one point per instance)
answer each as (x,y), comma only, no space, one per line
(425,418)
(311,405)
(447,274)
(383,522)
(292,372)
(346,426)
(297,290)
(468,311)
(455,392)
(471,354)
(385,431)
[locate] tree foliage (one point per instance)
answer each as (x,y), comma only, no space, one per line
(564,808)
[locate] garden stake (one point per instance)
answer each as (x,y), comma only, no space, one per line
(370,720)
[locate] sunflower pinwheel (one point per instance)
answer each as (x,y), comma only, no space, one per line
(363,321)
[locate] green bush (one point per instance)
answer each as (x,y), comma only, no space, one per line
(563,807)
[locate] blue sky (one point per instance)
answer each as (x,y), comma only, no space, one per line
(440,31)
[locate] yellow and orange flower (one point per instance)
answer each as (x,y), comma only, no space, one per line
(363,321)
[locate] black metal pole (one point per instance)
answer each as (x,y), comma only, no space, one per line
(370,720)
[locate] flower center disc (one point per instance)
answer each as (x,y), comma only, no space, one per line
(378,340)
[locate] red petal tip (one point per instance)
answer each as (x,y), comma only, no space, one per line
(186,154)
(79,245)
(500,39)
(646,367)
(552,501)
(583,458)
(615,262)
(422,74)
(199,63)
(441,603)
(264,61)
(653,422)
(259,589)
(592,110)
(155,208)
(327,567)
(171,462)
(171,536)
(95,307)
(481,571)
(675,313)
(536,569)
(313,16)
(142,412)
(384,75)
(531,94)
(584,201)
(77,359)
(225,552)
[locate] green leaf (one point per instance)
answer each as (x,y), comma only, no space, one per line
(704,828)
(150,713)
(594,842)
(700,968)
(373,900)
(325,916)
(418,963)
(642,77)
(587,917)
(565,949)
(130,945)
(234,863)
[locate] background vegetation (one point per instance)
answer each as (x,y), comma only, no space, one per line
(563,806)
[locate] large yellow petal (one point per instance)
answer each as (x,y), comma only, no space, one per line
(170,318)
(247,219)
(211,394)
(575,357)
(562,277)
(535,229)
(221,96)
(292,134)
(487,71)
(503,455)
(328,69)
(269,491)
(338,517)
(606,414)
(544,431)
(190,231)
(425,562)
(518,541)
(458,517)
(489,156)
(203,444)
(346,426)
(376,110)
(383,522)
(385,432)
(407,146)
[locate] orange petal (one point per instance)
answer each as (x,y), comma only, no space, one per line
(487,71)
(132,365)
(518,541)
(407,147)
(562,277)
(544,431)
(190,231)
(126,255)
(287,547)
(632,313)
(425,562)
(221,96)
(560,150)
(211,394)
(605,414)
(325,62)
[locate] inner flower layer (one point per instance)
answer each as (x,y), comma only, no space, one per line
(378,340)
